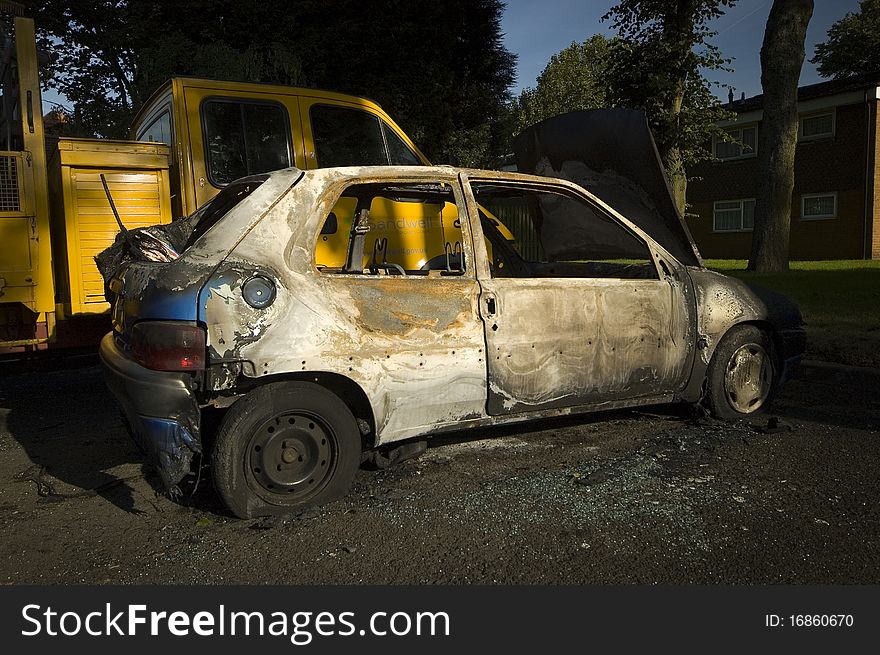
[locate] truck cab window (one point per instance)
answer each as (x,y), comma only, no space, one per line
(347,137)
(399,153)
(243,138)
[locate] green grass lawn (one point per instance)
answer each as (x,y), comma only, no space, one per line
(840,301)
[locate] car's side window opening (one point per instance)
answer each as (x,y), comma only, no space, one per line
(398,228)
(556,234)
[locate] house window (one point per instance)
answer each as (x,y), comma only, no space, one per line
(733,215)
(744,143)
(817,126)
(817,206)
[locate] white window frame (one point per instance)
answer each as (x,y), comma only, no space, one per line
(815,137)
(741,216)
(733,130)
(823,217)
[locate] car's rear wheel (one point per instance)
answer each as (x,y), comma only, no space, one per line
(742,375)
(285,446)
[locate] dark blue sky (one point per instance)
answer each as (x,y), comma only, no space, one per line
(537,29)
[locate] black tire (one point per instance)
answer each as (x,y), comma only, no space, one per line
(285,446)
(743,374)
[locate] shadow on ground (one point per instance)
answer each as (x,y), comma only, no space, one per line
(70,429)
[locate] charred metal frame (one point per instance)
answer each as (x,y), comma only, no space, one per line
(411,354)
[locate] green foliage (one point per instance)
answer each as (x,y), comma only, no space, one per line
(853,44)
(439,69)
(658,64)
(574,79)
(176,54)
(110,55)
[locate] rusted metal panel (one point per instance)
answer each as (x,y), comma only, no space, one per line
(413,344)
(559,342)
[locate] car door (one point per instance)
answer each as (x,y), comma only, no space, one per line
(576,309)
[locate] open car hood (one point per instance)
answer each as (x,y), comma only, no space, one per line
(612,154)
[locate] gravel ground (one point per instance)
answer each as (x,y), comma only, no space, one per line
(621,497)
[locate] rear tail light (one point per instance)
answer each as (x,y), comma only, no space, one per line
(168,345)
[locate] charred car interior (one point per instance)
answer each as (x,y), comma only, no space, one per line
(337,311)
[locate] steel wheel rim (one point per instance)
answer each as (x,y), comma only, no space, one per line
(291,455)
(748,378)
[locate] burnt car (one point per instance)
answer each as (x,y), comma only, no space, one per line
(337,311)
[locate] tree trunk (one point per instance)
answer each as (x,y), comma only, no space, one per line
(678,29)
(782,55)
(677,178)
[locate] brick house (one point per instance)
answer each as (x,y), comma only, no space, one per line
(836,199)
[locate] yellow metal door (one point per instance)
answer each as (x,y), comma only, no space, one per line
(18,233)
(219,152)
(91,227)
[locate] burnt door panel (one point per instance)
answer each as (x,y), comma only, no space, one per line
(542,342)
(575,309)
(558,342)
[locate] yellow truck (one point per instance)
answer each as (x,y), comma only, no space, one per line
(191,139)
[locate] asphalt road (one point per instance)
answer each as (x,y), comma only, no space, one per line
(622,497)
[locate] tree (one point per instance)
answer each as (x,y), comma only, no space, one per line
(574,79)
(440,69)
(853,44)
(110,55)
(657,64)
(782,55)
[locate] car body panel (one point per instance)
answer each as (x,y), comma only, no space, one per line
(383,333)
(421,349)
(161,409)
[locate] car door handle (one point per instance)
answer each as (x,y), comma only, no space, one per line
(489,304)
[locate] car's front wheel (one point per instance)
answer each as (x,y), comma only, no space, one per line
(742,375)
(284,446)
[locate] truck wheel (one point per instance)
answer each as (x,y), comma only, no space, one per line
(742,375)
(285,446)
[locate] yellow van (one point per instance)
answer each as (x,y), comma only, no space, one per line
(222,131)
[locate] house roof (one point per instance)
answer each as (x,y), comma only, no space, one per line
(811,91)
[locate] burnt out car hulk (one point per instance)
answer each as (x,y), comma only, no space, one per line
(337,311)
